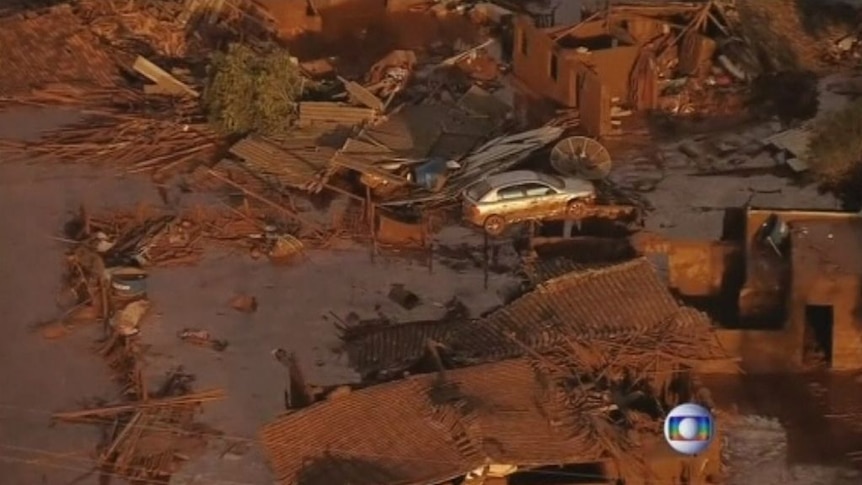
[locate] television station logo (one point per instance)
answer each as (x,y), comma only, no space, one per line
(689,429)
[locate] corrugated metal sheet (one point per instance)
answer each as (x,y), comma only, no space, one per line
(423,430)
(794,141)
(495,156)
(484,103)
(316,112)
(293,164)
(54,47)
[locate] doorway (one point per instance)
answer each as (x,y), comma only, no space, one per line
(819,323)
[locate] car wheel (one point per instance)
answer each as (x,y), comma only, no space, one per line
(494,225)
(575,208)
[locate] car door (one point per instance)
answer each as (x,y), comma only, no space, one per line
(540,199)
(510,201)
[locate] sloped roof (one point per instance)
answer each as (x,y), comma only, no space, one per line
(425,430)
(606,302)
(379,435)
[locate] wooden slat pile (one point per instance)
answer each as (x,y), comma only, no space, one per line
(123,129)
(128,26)
(161,238)
(149,436)
(54,46)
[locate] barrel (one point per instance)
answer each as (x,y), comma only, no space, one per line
(128,282)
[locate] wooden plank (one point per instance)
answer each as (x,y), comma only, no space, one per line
(362,95)
(161,77)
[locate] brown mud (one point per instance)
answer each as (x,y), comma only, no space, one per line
(361,32)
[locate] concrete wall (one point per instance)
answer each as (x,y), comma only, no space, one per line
(612,66)
(534,68)
(698,268)
(843,294)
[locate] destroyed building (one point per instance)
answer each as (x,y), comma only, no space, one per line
(531,385)
(796,284)
(622,55)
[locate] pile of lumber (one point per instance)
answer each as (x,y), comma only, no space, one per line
(123,129)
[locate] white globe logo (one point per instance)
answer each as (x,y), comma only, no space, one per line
(689,429)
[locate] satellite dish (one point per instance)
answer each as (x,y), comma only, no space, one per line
(581,156)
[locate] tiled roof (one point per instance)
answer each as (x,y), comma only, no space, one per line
(384,352)
(425,430)
(606,302)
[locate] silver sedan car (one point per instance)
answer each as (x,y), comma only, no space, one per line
(499,200)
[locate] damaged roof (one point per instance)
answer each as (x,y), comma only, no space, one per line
(292,162)
(613,301)
(52,47)
(427,429)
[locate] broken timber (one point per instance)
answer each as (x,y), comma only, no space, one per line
(362,95)
(162,78)
(110,411)
(290,213)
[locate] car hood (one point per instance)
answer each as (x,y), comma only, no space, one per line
(579,186)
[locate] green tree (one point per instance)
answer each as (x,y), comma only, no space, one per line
(253,90)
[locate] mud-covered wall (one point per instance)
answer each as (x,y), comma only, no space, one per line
(531,60)
(612,66)
(844,294)
(535,50)
(699,268)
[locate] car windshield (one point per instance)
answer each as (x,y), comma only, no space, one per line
(552,180)
(478,190)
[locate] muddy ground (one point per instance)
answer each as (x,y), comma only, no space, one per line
(294,306)
(791,444)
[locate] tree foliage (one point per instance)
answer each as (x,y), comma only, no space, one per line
(835,149)
(249,90)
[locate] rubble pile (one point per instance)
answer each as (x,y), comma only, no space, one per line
(452,381)
(588,349)
(151,431)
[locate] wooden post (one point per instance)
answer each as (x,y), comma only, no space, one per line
(431,258)
(370,214)
(104,301)
(485,257)
(532,235)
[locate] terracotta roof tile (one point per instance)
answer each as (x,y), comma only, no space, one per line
(608,302)
(380,435)
(424,430)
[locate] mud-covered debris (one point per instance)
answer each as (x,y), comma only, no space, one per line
(126,321)
(244,303)
(404,297)
(202,338)
(285,249)
(456,310)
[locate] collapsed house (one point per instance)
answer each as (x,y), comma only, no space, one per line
(794,287)
(637,56)
(541,382)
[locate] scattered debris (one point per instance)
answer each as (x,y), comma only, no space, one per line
(202,338)
(127,320)
(404,297)
(244,303)
(163,79)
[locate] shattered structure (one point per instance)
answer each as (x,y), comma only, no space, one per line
(590,349)
(534,383)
